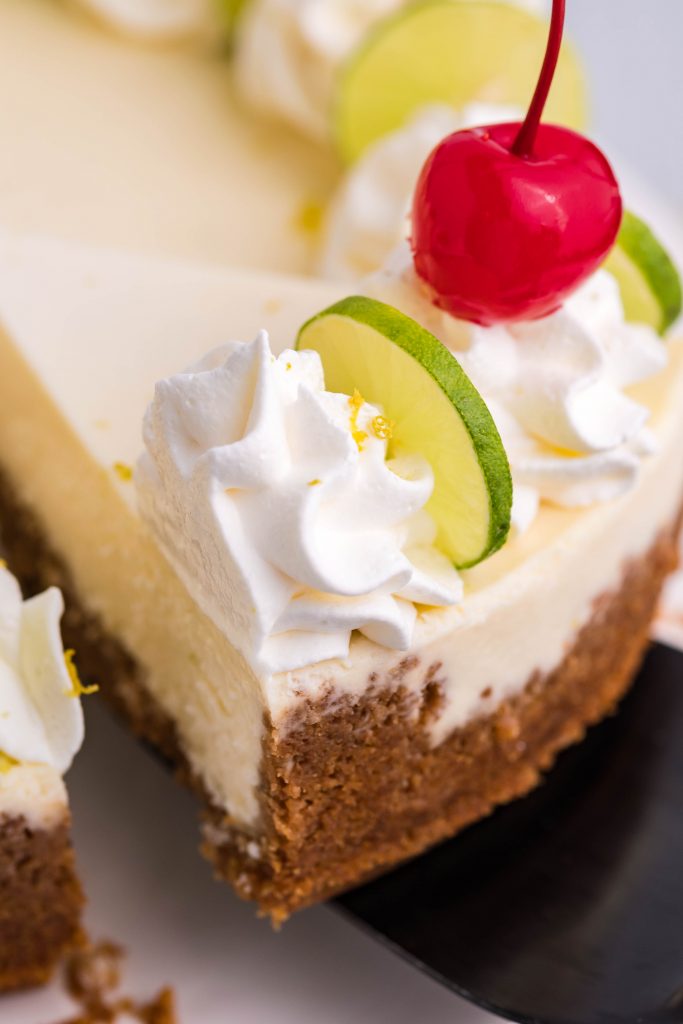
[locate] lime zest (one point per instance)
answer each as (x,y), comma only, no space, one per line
(356,401)
(6,763)
(77,687)
(123,471)
(308,219)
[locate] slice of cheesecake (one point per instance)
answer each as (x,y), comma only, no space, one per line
(40,895)
(318,777)
(41,727)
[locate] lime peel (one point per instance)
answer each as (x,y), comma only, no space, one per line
(647,276)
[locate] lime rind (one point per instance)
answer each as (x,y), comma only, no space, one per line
(502,49)
(649,282)
(487,505)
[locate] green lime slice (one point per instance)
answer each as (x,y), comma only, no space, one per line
(435,410)
(449,51)
(648,279)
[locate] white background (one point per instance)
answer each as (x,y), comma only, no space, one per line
(135,829)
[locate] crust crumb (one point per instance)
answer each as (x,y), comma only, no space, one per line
(92,978)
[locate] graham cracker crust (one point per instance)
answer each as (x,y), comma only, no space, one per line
(353,787)
(40,901)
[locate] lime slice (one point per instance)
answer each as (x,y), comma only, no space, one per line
(435,410)
(449,51)
(648,280)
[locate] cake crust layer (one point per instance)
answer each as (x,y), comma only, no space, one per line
(40,901)
(354,788)
(351,786)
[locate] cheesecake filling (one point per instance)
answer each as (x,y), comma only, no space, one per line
(276,503)
(558,388)
(289,53)
(41,720)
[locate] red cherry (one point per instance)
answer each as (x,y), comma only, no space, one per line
(509,219)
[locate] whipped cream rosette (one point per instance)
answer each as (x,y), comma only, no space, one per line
(276,503)
(41,720)
(290,51)
(558,387)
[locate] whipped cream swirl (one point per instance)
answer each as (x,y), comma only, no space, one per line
(40,721)
(556,387)
(289,52)
(156,19)
(278,507)
(369,215)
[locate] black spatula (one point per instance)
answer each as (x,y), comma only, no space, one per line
(565,907)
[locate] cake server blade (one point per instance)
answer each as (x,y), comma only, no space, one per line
(565,907)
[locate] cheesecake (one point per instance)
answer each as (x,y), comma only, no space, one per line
(252,572)
(41,729)
(148,149)
(322,761)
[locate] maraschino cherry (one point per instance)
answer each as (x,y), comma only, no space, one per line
(509,219)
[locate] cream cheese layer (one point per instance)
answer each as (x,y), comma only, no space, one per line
(77,371)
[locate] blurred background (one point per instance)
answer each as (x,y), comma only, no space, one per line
(632,52)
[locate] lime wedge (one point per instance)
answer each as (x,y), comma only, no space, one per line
(449,51)
(435,410)
(648,280)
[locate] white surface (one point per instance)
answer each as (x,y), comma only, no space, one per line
(136,838)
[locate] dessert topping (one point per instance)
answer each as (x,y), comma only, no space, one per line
(557,387)
(38,722)
(508,220)
(283,512)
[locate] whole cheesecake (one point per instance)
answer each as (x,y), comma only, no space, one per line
(318,776)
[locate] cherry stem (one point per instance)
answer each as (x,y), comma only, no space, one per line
(524,143)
